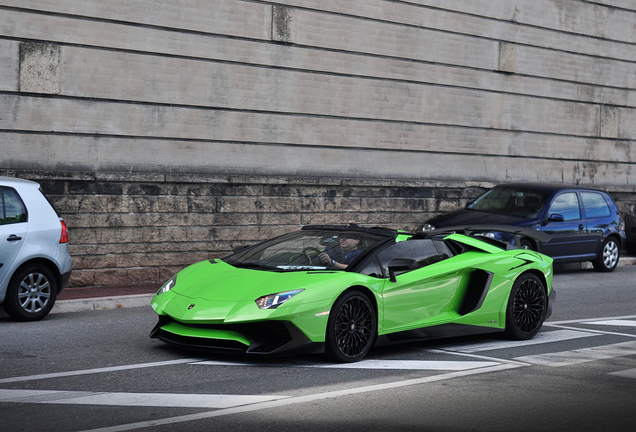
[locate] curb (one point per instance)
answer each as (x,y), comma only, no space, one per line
(102,303)
(587,265)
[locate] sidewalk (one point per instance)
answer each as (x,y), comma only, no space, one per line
(110,297)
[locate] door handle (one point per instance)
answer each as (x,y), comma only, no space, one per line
(14,237)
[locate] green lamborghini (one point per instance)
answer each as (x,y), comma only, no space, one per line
(341,290)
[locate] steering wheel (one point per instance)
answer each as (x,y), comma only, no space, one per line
(308,251)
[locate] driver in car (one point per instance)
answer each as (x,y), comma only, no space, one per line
(341,259)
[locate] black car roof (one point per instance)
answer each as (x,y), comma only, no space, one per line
(353,227)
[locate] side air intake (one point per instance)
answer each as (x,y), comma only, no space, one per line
(478,285)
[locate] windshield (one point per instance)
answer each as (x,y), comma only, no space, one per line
(512,201)
(306,250)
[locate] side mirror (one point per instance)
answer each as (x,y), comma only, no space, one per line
(556,218)
(401,265)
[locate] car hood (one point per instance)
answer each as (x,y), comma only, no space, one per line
(474,217)
(215,291)
(219,281)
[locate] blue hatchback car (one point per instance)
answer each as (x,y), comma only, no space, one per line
(584,223)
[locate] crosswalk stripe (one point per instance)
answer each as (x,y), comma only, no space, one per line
(618,323)
(540,338)
(629,373)
(567,358)
(94,371)
(376,364)
(174,400)
(412,365)
(289,402)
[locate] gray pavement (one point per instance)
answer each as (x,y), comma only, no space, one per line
(116,297)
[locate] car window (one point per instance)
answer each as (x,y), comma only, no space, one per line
(12,208)
(595,205)
(511,201)
(442,249)
(421,250)
(300,251)
(567,205)
(372,268)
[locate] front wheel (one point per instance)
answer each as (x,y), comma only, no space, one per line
(607,259)
(31,293)
(527,307)
(352,328)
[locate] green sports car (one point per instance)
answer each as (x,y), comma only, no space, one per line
(341,290)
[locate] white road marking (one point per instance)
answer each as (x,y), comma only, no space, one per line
(618,323)
(540,338)
(92,371)
(303,399)
(598,332)
(412,365)
(567,358)
(587,320)
(376,364)
(45,396)
(629,373)
(133,399)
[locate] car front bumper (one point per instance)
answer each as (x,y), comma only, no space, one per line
(260,337)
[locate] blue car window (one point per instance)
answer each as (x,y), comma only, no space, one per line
(567,205)
(595,205)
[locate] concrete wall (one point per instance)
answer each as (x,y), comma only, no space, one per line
(165,131)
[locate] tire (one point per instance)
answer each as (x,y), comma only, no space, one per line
(352,328)
(31,293)
(527,244)
(607,259)
(527,307)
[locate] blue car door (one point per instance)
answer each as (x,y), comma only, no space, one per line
(598,215)
(571,238)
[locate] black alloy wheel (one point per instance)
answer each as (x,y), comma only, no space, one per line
(352,328)
(527,307)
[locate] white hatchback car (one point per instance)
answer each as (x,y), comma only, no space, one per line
(35,264)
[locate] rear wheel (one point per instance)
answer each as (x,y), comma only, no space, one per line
(31,293)
(527,244)
(352,327)
(527,307)
(607,259)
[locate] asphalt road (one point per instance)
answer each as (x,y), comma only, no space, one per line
(98,370)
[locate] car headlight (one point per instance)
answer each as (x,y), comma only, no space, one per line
(168,285)
(428,227)
(272,301)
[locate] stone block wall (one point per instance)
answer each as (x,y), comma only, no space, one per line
(142,228)
(168,130)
